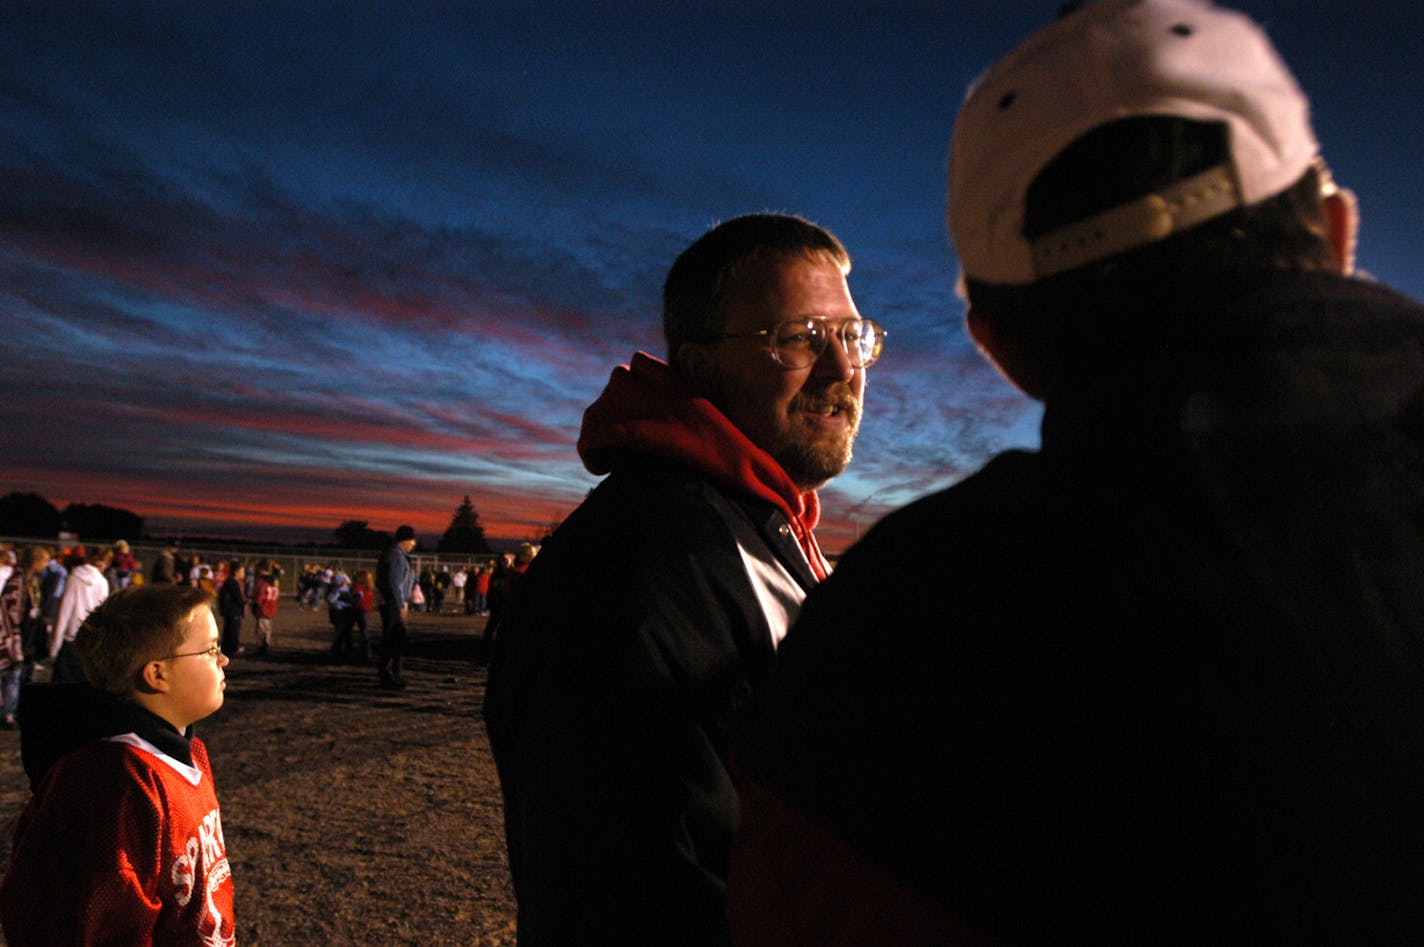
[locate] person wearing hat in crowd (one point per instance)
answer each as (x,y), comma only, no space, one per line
(644,621)
(1161,680)
(395,579)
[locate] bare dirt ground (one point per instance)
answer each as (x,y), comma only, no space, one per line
(352,814)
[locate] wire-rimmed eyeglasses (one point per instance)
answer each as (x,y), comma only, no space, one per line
(797,343)
(214,652)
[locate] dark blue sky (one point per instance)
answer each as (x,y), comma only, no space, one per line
(282,265)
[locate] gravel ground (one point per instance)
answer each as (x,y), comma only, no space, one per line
(352,814)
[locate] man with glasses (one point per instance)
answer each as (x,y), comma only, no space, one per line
(1160,681)
(655,609)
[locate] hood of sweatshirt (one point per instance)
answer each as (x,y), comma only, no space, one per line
(90,577)
(648,408)
(57,719)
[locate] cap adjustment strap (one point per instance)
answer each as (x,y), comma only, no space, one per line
(1169,210)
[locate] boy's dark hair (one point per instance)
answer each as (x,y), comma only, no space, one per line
(708,272)
(1120,162)
(132,627)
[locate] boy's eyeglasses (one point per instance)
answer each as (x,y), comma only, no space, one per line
(797,343)
(212,652)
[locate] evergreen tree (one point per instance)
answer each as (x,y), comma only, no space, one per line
(464,534)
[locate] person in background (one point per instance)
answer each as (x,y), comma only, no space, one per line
(458,579)
(165,565)
(232,605)
(265,598)
(625,652)
(341,612)
(1162,680)
(363,598)
(123,567)
(439,587)
(426,582)
(481,582)
(52,580)
(395,579)
(495,599)
(307,588)
(200,574)
(23,629)
(84,591)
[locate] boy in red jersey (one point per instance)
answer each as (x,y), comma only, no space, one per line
(122,841)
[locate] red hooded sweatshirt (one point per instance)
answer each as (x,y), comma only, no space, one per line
(648,408)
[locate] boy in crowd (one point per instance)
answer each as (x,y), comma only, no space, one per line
(122,841)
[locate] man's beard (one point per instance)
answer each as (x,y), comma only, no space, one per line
(812,463)
(792,441)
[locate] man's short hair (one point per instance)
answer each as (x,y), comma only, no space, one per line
(132,627)
(719,263)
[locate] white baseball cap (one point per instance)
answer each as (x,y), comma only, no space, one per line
(1116,59)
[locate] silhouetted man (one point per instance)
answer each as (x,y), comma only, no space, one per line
(1161,681)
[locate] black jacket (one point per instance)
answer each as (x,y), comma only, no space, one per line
(635,638)
(57,719)
(1163,680)
(231,601)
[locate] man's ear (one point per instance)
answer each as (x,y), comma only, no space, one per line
(695,363)
(1342,224)
(1031,372)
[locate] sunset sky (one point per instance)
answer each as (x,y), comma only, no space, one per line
(268,267)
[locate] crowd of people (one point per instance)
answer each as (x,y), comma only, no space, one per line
(443,589)
(47,594)
(1160,680)
(90,669)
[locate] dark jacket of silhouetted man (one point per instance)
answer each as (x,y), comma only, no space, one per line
(1162,680)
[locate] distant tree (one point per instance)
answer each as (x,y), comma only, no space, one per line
(97,521)
(28,514)
(356,534)
(464,534)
